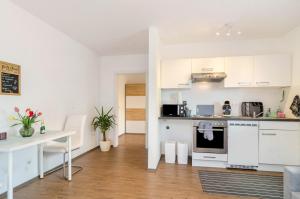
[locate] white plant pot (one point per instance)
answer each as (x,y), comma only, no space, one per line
(105,145)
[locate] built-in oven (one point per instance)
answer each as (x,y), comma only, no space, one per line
(210,136)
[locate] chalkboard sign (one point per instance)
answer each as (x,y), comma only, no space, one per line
(10,79)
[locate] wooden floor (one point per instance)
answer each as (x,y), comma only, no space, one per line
(120,173)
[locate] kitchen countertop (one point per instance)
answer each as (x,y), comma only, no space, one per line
(232,118)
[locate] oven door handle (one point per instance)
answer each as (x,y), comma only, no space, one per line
(221,130)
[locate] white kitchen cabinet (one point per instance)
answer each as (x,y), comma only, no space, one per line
(239,71)
(272,70)
(281,147)
(208,65)
(243,143)
(176,73)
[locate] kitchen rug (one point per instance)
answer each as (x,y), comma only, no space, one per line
(251,185)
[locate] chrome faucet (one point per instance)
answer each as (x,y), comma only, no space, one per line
(256,115)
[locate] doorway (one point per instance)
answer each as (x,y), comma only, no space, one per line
(131,105)
(135,109)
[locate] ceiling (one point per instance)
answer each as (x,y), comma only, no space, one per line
(112,27)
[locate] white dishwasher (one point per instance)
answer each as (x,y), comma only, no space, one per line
(243,144)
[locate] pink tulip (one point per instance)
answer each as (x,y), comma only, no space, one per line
(17,110)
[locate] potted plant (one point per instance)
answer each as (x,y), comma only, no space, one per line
(104,121)
(27,120)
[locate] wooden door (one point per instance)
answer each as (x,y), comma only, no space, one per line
(135,108)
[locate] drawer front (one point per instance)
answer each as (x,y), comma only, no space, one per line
(210,157)
(289,126)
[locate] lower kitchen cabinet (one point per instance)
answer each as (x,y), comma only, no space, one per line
(281,147)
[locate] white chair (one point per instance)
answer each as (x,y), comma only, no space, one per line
(73,123)
(291,183)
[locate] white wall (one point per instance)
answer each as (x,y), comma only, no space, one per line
(59,77)
(110,68)
(153,93)
(122,80)
(216,94)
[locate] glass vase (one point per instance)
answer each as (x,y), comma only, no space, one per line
(26,131)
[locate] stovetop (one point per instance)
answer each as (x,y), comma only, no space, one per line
(209,116)
(215,120)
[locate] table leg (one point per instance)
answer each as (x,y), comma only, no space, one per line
(9,176)
(69,158)
(41,160)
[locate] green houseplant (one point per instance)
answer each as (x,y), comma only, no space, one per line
(104,121)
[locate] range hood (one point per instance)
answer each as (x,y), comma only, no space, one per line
(208,77)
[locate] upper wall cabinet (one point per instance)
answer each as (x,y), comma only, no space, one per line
(272,70)
(176,73)
(239,71)
(208,65)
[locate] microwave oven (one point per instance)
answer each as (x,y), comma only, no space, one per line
(172,110)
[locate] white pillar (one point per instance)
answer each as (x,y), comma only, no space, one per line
(153,94)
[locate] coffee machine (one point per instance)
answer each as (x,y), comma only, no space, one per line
(226,108)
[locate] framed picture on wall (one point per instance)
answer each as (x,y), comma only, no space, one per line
(10,79)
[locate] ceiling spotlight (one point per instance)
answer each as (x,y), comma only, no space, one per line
(228,30)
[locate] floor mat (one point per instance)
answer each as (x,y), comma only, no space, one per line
(253,185)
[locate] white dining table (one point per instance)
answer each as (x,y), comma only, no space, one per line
(16,143)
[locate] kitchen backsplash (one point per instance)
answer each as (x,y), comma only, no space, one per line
(215,93)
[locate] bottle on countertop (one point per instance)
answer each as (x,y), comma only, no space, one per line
(268,113)
(42,128)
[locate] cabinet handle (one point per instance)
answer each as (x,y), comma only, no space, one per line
(270,134)
(209,157)
(262,82)
(184,84)
(244,83)
(207,69)
(219,130)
